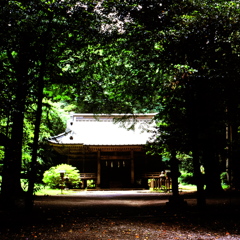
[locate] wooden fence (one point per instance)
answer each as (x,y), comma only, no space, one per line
(158,180)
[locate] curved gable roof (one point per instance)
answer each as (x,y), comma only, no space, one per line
(89,129)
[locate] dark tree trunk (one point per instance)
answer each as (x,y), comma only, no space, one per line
(174,162)
(233,167)
(40,87)
(210,140)
(232,135)
(32,172)
(175,200)
(212,170)
(193,121)
(11,191)
(198,176)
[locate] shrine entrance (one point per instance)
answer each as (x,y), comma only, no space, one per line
(105,150)
(115,174)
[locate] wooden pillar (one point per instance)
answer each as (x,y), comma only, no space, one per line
(84,183)
(68,160)
(98,169)
(132,168)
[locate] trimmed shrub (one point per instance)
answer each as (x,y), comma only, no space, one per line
(71,179)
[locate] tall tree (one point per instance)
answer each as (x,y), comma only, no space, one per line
(38,40)
(180,58)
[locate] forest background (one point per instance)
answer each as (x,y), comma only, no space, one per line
(177,58)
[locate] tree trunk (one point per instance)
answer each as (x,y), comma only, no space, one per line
(193,121)
(175,200)
(174,174)
(209,137)
(232,135)
(212,171)
(11,192)
(32,172)
(234,166)
(201,200)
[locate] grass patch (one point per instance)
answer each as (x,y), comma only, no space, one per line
(181,187)
(49,191)
(187,187)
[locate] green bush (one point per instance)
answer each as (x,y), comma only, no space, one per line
(52,177)
(224,178)
(186,178)
(91,184)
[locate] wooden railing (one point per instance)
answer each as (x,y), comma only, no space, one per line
(163,184)
(151,175)
(88,175)
(157,182)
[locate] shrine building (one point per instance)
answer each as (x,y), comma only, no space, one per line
(110,152)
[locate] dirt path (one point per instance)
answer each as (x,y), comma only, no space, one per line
(122,215)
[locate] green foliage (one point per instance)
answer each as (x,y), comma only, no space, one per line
(53,122)
(44,58)
(187,178)
(49,191)
(224,178)
(177,58)
(181,58)
(71,179)
(91,183)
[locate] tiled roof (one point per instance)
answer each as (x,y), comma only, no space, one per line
(86,129)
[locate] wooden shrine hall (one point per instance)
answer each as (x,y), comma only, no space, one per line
(107,151)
